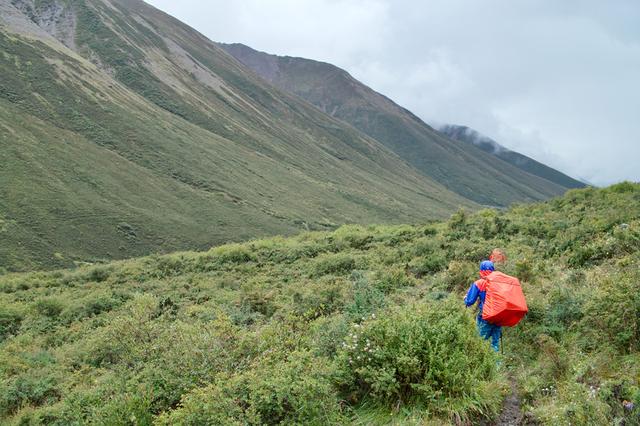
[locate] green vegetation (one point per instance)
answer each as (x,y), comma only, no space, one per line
(338,328)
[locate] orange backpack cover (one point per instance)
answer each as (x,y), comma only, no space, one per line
(504,303)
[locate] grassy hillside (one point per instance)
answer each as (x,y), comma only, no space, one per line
(363,325)
(470,136)
(460,167)
(125,132)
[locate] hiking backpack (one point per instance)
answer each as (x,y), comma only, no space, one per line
(504,303)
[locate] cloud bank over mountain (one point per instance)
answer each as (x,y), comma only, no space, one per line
(556,81)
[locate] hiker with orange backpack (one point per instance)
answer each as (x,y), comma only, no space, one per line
(477,292)
(501,302)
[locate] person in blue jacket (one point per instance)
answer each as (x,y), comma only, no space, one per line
(477,292)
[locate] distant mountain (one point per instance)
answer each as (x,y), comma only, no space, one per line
(468,135)
(461,167)
(125,132)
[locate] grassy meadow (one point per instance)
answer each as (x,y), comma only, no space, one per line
(364,325)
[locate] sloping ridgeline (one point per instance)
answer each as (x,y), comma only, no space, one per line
(125,132)
(461,167)
(470,136)
(363,325)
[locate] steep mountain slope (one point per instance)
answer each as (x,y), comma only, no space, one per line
(467,135)
(126,132)
(464,169)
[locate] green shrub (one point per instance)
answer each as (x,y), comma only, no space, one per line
(354,236)
(127,338)
(49,307)
(426,353)
(126,408)
(429,231)
(525,270)
(10,320)
(553,357)
(232,254)
(460,274)
(337,264)
(428,265)
(623,187)
(489,223)
(295,389)
(611,312)
(564,310)
(89,307)
(398,235)
(186,357)
(367,298)
(278,251)
(171,265)
(458,220)
(392,279)
(323,296)
(469,250)
(327,334)
(573,406)
(34,388)
(425,247)
(258,298)
(98,274)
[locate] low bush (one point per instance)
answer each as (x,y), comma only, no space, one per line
(34,388)
(91,306)
(426,353)
(337,264)
(460,274)
(10,320)
(393,279)
(525,270)
(49,307)
(354,236)
(367,298)
(294,389)
(612,311)
(428,265)
(258,298)
(323,296)
(98,274)
(232,254)
(327,334)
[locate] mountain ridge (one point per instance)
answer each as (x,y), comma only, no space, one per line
(466,170)
(468,135)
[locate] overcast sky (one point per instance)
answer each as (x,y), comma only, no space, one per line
(556,80)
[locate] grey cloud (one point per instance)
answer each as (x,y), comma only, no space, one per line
(554,80)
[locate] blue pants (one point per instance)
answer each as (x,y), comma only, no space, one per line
(490,331)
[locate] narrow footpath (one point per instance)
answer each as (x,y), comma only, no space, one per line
(511,414)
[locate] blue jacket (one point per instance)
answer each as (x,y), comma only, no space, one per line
(474,294)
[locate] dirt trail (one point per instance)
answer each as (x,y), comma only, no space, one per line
(511,414)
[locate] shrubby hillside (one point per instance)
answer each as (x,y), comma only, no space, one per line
(364,325)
